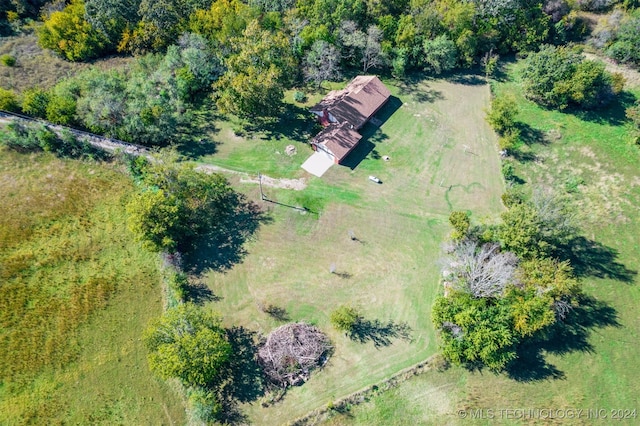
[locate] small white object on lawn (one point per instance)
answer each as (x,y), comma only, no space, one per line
(374,179)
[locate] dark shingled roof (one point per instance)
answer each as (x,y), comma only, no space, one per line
(356,103)
(340,139)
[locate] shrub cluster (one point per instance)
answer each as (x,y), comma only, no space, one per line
(557,77)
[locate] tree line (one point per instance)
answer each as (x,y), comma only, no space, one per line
(245,54)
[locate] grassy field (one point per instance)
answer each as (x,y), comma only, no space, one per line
(390,272)
(36,67)
(588,158)
(75,294)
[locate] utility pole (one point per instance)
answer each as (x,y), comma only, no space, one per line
(260,181)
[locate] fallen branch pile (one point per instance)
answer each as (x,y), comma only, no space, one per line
(292,351)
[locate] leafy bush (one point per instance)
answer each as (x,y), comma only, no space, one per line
(626,44)
(501,116)
(299,96)
(509,139)
(203,406)
(21,138)
(345,318)
(35,102)
(460,222)
(556,77)
(508,171)
(8,101)
(8,60)
(68,33)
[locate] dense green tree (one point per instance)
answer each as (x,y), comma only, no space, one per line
(102,105)
(252,93)
(522,232)
(112,17)
(189,344)
(223,21)
(155,217)
(475,331)
(257,74)
(536,228)
(332,13)
(178,205)
(502,115)
(626,44)
(63,99)
(35,101)
(273,5)
(440,54)
(557,77)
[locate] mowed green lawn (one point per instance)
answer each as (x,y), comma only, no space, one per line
(588,158)
(391,273)
(76,293)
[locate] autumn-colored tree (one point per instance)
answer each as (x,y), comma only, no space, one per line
(69,34)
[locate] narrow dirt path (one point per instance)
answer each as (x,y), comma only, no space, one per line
(631,75)
(115,145)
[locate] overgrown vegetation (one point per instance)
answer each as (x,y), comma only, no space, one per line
(501,293)
(559,78)
(65,257)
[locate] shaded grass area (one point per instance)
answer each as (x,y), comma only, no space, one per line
(589,361)
(75,293)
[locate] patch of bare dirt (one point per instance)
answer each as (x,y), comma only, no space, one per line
(283,183)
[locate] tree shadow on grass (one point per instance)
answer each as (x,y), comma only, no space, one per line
(564,337)
(378,332)
(277,312)
(294,123)
(223,247)
(193,138)
(471,79)
(613,114)
(591,258)
(199,293)
(244,379)
(415,84)
(530,135)
(523,156)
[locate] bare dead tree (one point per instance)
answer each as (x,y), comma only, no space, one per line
(483,271)
(562,308)
(322,63)
(292,351)
(372,54)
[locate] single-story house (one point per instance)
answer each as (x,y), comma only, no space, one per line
(345,111)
